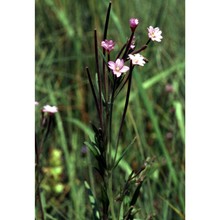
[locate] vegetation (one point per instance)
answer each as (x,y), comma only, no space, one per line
(154,122)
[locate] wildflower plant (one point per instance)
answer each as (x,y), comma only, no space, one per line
(54,171)
(114,75)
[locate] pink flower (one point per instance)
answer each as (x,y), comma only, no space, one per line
(118,67)
(137,59)
(169,88)
(108,45)
(50,109)
(36,103)
(154,34)
(133,23)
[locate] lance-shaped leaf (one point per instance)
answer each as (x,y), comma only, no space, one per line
(93,203)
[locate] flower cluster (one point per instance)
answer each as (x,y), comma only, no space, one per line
(118,66)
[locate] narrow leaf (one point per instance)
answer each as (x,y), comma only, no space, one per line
(93,148)
(124,152)
(93,203)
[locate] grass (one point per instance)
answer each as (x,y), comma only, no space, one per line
(64,47)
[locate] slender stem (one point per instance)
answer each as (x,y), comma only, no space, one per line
(110,122)
(149,40)
(40,203)
(138,51)
(37,152)
(120,52)
(128,45)
(99,80)
(111,196)
(125,110)
(108,80)
(107,21)
(93,92)
(104,52)
(105,76)
(48,128)
(119,89)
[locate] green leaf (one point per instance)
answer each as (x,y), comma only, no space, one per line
(124,152)
(93,203)
(123,164)
(93,148)
(178,212)
(180,118)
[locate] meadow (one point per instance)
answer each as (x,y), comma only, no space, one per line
(154,123)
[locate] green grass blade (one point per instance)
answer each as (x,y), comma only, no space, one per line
(180,118)
(162,75)
(83,127)
(50,217)
(124,152)
(157,78)
(149,107)
(178,212)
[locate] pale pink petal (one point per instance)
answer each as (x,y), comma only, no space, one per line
(119,63)
(50,109)
(124,69)
(131,56)
(111,65)
(118,74)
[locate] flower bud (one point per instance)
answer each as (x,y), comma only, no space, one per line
(133,23)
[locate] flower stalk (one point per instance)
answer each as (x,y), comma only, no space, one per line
(112,78)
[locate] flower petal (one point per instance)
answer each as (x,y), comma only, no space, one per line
(111,65)
(124,69)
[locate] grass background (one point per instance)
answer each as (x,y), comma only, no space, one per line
(64,47)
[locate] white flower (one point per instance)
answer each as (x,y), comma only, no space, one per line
(137,59)
(36,103)
(50,109)
(154,34)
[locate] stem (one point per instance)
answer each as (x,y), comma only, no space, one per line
(93,92)
(40,203)
(125,110)
(149,40)
(37,151)
(108,80)
(110,122)
(119,89)
(99,80)
(110,195)
(138,51)
(104,52)
(120,52)
(128,46)
(107,21)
